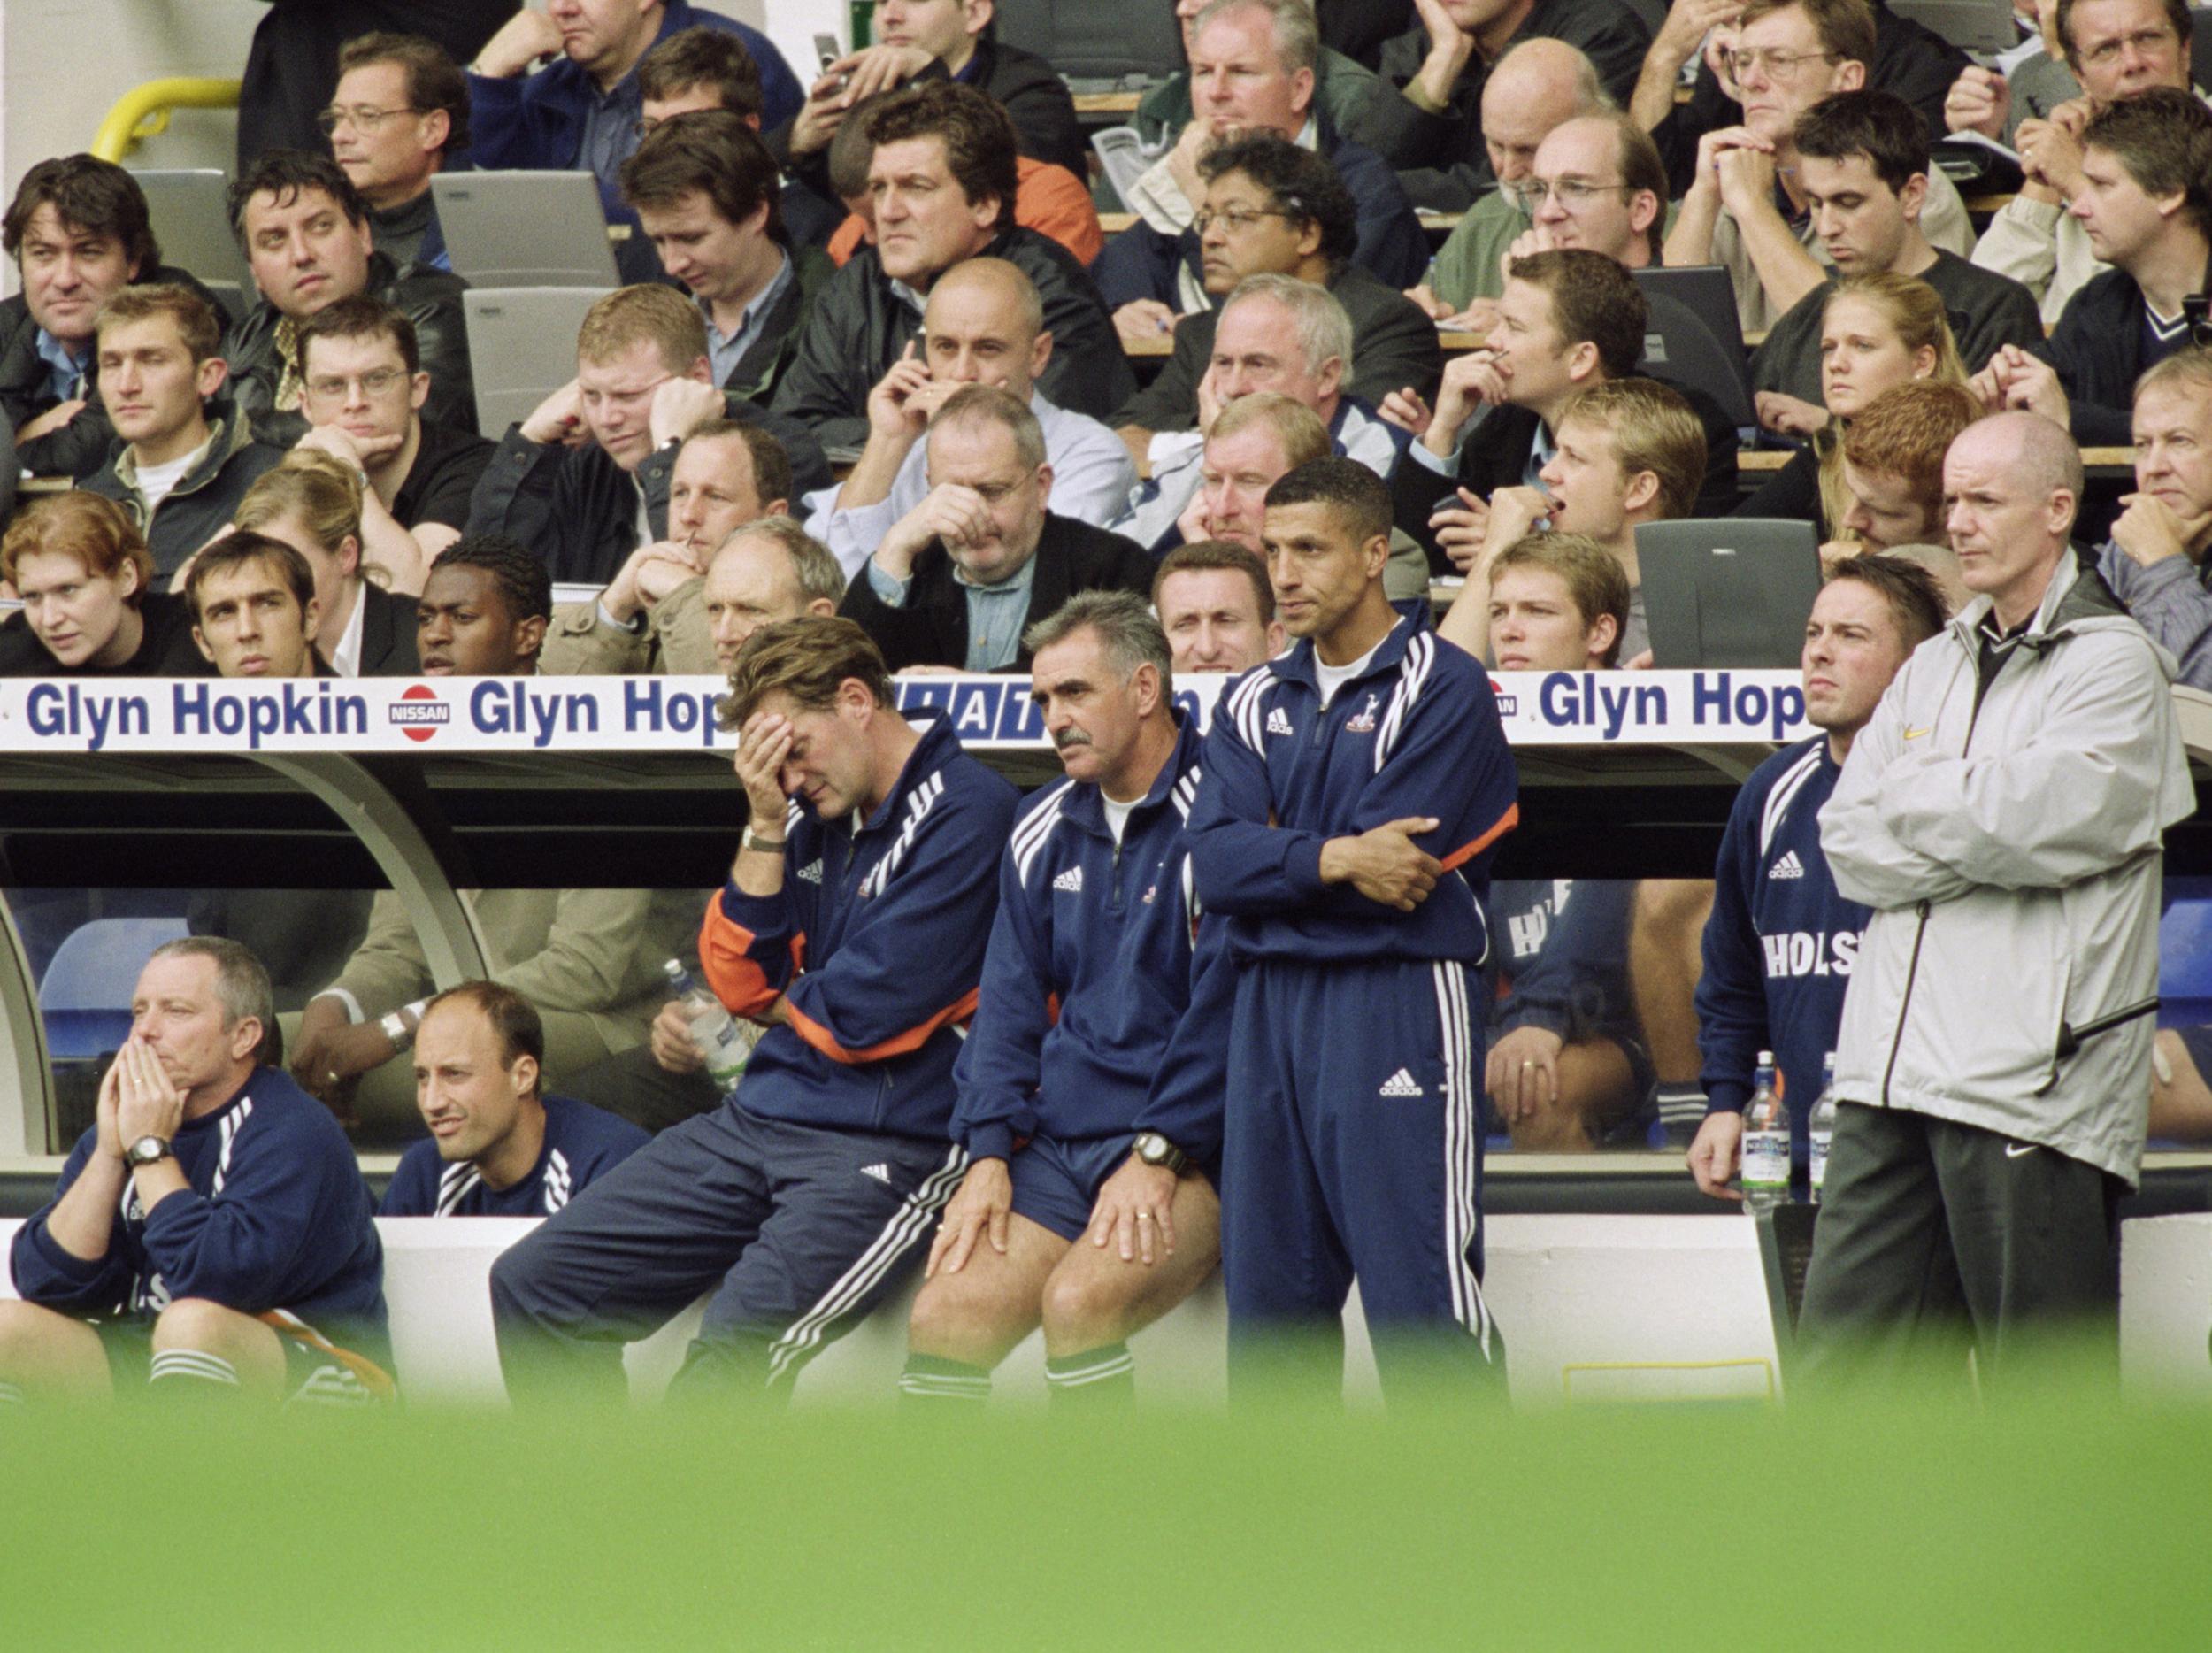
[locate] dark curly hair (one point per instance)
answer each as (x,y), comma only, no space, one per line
(520,572)
(1302,184)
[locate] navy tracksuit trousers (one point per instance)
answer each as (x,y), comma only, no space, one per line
(1355,1151)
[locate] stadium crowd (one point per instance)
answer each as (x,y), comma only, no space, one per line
(882,396)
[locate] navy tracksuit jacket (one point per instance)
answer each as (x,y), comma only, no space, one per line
(581,1144)
(1087,977)
(278,1219)
(1780,944)
(1353,1145)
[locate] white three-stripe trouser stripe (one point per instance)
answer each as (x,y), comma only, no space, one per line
(909,1224)
(1461,1149)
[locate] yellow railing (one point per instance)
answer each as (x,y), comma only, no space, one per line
(143,112)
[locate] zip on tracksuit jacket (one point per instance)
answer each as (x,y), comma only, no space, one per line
(1416,734)
(1780,944)
(1088,976)
(277,1218)
(2009,840)
(876,942)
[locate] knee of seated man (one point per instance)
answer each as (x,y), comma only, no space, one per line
(1093,1300)
(1672,902)
(23,1324)
(198,1322)
(954,1309)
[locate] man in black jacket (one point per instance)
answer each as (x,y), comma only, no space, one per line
(2146,201)
(943,168)
(584,480)
(927,40)
(78,232)
(177,473)
(961,577)
(307,238)
(1425,119)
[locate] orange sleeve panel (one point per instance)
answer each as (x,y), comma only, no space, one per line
(1467,852)
(820,1037)
(725,959)
(1052,201)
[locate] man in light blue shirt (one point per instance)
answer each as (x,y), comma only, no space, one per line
(983,324)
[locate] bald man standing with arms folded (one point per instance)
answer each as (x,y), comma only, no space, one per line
(2002,814)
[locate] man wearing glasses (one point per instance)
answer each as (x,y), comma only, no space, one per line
(305,233)
(1273,208)
(584,480)
(1747,208)
(400,110)
(362,392)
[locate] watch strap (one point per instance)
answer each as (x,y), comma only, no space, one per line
(752,840)
(148,1150)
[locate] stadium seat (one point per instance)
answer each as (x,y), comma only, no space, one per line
(2185,964)
(525,229)
(85,997)
(522,343)
(193,226)
(1086,41)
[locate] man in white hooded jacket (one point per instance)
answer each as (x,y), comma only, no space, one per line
(2003,815)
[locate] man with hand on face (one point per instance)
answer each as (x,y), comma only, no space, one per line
(89,605)
(726,475)
(254,611)
(582,111)
(2117,50)
(937,40)
(305,233)
(1570,322)
(984,325)
(78,232)
(210,1232)
(957,581)
(2154,561)
(363,389)
(1863,164)
(584,479)
(1341,83)
(400,110)
(2146,201)
(942,175)
(707,194)
(1538,86)
(176,472)
(1780,941)
(588,959)
(1354,791)
(1252,71)
(766,571)
(1252,441)
(1747,208)
(800,1202)
(1090,1093)
(1425,118)
(499,1146)
(1217,607)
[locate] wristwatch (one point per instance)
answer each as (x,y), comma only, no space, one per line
(1154,1150)
(147,1150)
(397,1031)
(751,840)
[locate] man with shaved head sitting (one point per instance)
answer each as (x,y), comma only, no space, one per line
(1996,1040)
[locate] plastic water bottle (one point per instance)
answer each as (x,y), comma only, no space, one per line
(1766,1141)
(1822,1125)
(721,1038)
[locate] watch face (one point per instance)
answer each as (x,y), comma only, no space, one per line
(147,1149)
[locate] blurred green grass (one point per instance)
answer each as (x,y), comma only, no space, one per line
(2066,1522)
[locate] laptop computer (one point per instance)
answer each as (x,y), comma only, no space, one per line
(525,229)
(1693,336)
(1728,591)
